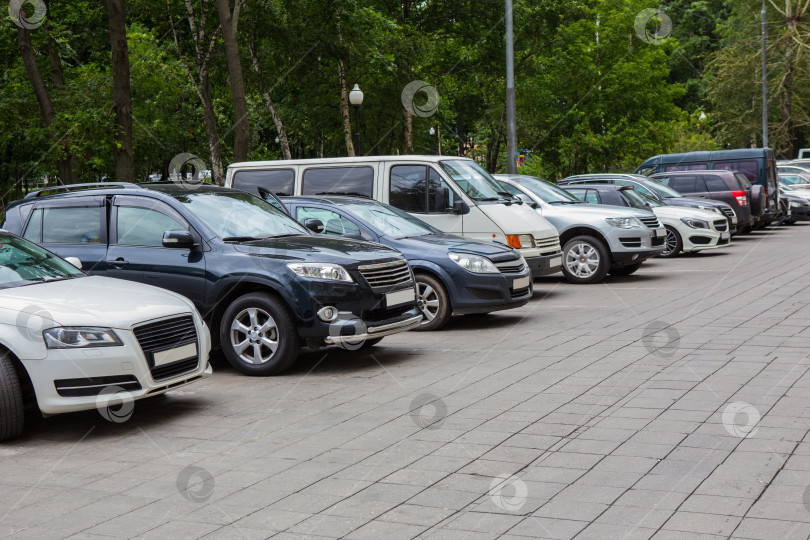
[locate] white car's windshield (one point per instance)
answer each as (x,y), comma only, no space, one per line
(474,181)
(390,221)
(240,216)
(24,263)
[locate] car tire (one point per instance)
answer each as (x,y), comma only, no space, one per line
(624,270)
(789,222)
(745,229)
(12,409)
(269,319)
(579,249)
(673,244)
(433,301)
(757,201)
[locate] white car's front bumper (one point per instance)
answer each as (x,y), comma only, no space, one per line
(703,239)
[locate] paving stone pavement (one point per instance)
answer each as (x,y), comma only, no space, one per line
(670,404)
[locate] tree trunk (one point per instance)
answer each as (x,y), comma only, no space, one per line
(228,22)
(320,144)
(282,133)
(122,93)
(787,87)
(211,132)
(344,109)
(407,132)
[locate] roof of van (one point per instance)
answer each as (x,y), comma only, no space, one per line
(339,160)
(716,155)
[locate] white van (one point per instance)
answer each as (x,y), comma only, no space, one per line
(453,194)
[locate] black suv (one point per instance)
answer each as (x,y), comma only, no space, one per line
(263,282)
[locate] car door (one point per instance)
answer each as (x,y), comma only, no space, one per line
(72,227)
(136,251)
(413,188)
(689,185)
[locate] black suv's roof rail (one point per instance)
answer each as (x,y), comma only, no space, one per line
(91,185)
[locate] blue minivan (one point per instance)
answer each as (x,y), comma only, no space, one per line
(758,164)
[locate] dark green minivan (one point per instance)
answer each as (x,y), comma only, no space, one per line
(758,164)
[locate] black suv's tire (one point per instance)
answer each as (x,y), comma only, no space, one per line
(269,322)
(579,249)
(624,270)
(673,243)
(12,411)
(758,201)
(433,300)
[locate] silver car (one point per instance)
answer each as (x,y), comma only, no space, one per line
(596,239)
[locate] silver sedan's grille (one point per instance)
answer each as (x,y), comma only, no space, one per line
(651,222)
(387,275)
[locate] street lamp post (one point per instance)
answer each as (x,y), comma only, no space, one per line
(356,99)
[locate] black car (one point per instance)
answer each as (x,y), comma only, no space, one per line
(263,283)
(454,275)
(656,191)
(795,208)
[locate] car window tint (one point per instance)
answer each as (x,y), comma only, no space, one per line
(333,223)
(637,187)
(748,167)
(34,230)
(687,167)
(144,227)
(79,225)
(407,188)
(743,180)
(684,184)
(714,183)
(358,181)
(280,182)
(592,197)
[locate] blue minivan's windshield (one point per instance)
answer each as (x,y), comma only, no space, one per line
(24,263)
(547,192)
(474,181)
(389,220)
(239,215)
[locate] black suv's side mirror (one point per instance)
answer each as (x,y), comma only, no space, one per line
(460,207)
(314,225)
(441,199)
(178,239)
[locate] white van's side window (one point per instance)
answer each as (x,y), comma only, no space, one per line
(413,188)
(280,182)
(357,181)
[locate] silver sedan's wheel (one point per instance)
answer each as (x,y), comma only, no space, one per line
(428,301)
(254,336)
(582,260)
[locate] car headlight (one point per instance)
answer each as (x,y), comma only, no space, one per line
(794,204)
(710,209)
(329,271)
(624,222)
(67,337)
(695,223)
(474,263)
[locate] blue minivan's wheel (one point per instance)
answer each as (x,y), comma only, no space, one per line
(12,412)
(433,302)
(258,336)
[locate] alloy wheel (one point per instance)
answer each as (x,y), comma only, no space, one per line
(671,243)
(582,260)
(254,336)
(428,301)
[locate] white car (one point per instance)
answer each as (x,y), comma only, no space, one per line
(691,229)
(71,342)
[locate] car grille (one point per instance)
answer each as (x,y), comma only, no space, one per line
(164,335)
(728,212)
(546,245)
(651,222)
(484,294)
(721,225)
(510,267)
(387,275)
(382,314)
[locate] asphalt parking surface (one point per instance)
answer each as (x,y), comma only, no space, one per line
(669,404)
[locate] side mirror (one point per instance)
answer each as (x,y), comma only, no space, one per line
(178,239)
(441,199)
(314,225)
(74,261)
(460,207)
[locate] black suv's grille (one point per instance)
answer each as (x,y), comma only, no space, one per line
(728,212)
(721,225)
(163,336)
(651,222)
(387,275)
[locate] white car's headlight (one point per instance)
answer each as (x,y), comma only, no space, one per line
(332,272)
(78,337)
(695,223)
(474,263)
(624,222)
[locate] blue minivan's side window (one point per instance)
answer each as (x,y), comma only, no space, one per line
(687,167)
(357,181)
(748,167)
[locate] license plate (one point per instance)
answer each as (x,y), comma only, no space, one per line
(399,297)
(555,261)
(725,236)
(521,283)
(175,355)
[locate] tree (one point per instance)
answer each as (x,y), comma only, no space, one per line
(229,21)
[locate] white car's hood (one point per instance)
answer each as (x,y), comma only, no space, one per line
(678,212)
(518,219)
(91,301)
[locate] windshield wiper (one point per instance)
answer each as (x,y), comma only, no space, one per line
(564,202)
(240,238)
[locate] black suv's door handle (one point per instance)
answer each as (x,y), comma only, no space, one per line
(120,262)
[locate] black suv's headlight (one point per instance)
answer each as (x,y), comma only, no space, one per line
(78,337)
(329,271)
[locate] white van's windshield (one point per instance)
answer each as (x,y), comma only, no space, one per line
(474,181)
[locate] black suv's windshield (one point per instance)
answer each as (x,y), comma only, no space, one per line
(474,181)
(389,220)
(239,216)
(546,191)
(24,263)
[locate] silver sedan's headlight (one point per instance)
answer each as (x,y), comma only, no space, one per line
(474,263)
(78,337)
(624,222)
(329,271)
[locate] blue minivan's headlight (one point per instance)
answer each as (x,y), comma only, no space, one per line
(332,272)
(66,337)
(696,223)
(474,263)
(624,222)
